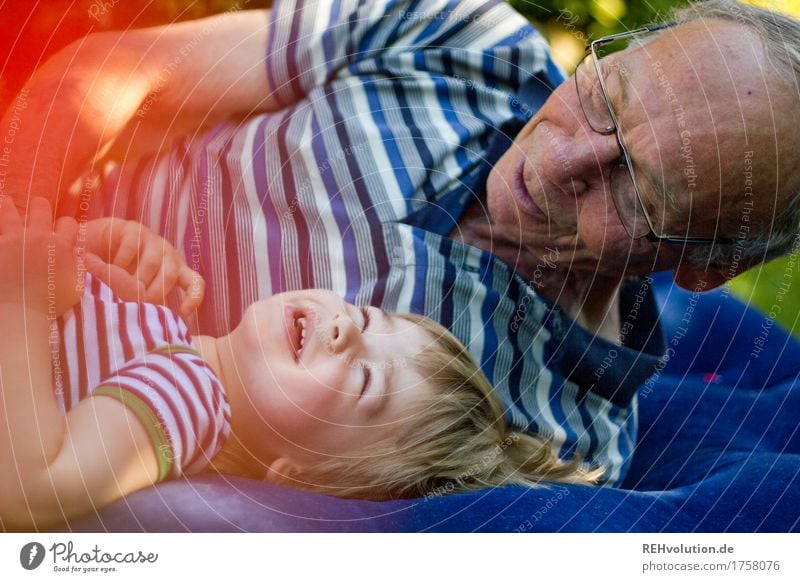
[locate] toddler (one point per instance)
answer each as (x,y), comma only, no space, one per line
(104,391)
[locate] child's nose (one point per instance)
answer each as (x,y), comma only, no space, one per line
(343,333)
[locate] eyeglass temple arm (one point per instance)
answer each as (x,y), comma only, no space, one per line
(613,37)
(652,237)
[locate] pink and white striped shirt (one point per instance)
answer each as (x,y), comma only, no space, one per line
(141,354)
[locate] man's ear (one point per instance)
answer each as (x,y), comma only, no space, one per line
(697,279)
(280,471)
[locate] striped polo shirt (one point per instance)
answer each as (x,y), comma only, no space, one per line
(141,355)
(391,115)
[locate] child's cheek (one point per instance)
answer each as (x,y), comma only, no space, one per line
(325,391)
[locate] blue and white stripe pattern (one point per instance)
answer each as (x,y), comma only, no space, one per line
(392,114)
(141,354)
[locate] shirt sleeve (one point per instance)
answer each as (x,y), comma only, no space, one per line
(181,404)
(313,42)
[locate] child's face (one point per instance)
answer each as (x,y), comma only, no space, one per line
(323,377)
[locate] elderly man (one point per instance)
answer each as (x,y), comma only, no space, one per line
(675,140)
(362,144)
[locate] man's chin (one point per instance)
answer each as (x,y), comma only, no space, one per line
(509,222)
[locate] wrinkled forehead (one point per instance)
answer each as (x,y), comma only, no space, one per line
(701,118)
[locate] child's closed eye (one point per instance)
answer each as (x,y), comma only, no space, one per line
(365,313)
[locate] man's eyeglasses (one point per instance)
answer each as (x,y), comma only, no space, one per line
(591,86)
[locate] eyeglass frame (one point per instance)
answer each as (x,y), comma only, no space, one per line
(625,157)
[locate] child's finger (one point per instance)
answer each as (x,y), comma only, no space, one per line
(150,261)
(127,247)
(40,215)
(122,283)
(10,219)
(163,282)
(194,288)
(190,281)
(67,230)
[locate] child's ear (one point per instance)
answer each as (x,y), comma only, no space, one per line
(280,471)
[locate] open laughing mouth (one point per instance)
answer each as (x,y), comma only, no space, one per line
(297,331)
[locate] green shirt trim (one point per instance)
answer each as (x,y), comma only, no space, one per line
(175,349)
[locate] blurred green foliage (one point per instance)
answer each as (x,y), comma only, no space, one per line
(569,25)
(596,18)
(774,288)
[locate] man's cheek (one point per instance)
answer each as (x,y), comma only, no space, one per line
(600,230)
(502,210)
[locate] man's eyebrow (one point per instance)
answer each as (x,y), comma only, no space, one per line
(613,70)
(658,186)
(660,189)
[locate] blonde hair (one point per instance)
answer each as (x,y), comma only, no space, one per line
(457,439)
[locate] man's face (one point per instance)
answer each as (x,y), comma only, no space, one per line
(701,118)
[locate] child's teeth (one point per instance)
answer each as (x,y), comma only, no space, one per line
(301,323)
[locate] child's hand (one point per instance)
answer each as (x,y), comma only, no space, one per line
(38,266)
(139,265)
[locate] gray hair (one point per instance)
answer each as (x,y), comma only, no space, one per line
(780,36)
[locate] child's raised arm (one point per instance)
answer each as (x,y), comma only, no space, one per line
(53,467)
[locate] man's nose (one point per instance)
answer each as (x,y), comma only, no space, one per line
(580,159)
